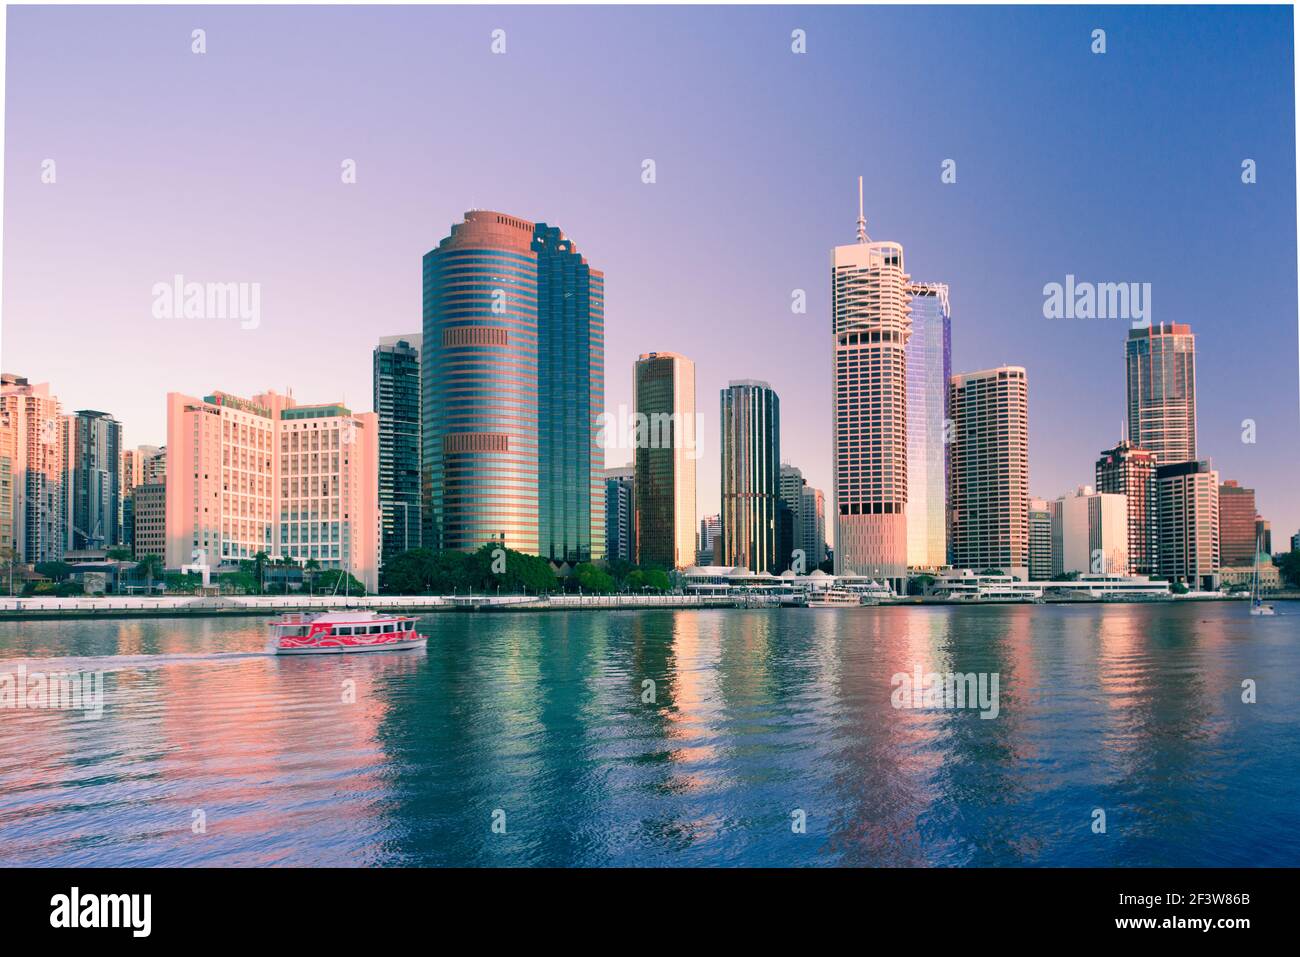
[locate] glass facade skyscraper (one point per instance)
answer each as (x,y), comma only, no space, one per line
(570,394)
(929,367)
(96,464)
(751,462)
(513,383)
(397,402)
(663,395)
(1160,374)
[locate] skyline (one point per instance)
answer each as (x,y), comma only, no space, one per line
(71,276)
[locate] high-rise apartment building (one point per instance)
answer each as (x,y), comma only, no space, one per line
(1237,531)
(95,518)
(870,325)
(619,515)
(929,368)
(988,480)
(1040,540)
(149,517)
(1093,532)
(1160,364)
(663,395)
(268,475)
(707,547)
(39,444)
(513,385)
(1131,471)
(751,463)
(396,382)
(134,462)
(1188,500)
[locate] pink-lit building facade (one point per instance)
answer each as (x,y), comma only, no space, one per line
(269,475)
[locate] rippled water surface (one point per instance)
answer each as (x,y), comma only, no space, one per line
(753,715)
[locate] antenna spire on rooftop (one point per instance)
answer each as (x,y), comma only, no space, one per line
(862,219)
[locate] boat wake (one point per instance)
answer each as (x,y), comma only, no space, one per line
(127,662)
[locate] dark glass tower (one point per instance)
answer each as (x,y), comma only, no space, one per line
(570,395)
(397,402)
(751,464)
(96,480)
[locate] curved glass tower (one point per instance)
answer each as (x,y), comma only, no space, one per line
(480,385)
(751,486)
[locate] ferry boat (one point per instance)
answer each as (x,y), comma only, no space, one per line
(343,632)
(834,598)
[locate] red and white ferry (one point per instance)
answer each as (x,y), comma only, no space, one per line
(341,632)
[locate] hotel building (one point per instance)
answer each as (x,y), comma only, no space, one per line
(1188,501)
(870,325)
(1131,471)
(663,395)
(1160,364)
(268,475)
(37,442)
(988,474)
(929,367)
(751,463)
(513,386)
(396,383)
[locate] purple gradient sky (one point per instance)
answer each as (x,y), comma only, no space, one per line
(225,167)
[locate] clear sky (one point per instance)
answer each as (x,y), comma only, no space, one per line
(1115,167)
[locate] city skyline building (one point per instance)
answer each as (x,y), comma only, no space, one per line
(38,443)
(513,387)
(1188,499)
(1131,471)
(705,548)
(751,461)
(149,518)
(812,526)
(95,490)
(1093,532)
(663,396)
(870,326)
(988,483)
(397,399)
(1237,525)
(619,514)
(1160,378)
(1040,540)
(929,368)
(269,475)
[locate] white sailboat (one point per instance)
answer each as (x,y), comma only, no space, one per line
(1257,606)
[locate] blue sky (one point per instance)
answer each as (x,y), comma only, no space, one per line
(1124,166)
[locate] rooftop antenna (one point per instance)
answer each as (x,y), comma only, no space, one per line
(862,219)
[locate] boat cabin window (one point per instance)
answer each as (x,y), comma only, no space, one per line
(291,632)
(343,631)
(376,629)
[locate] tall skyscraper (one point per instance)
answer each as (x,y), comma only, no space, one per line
(1161,380)
(570,397)
(95,519)
(1093,532)
(268,475)
(1131,471)
(870,322)
(1237,536)
(751,463)
(1188,497)
(1264,535)
(929,368)
(619,516)
(663,394)
(396,363)
(40,444)
(988,478)
(513,383)
(1040,540)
